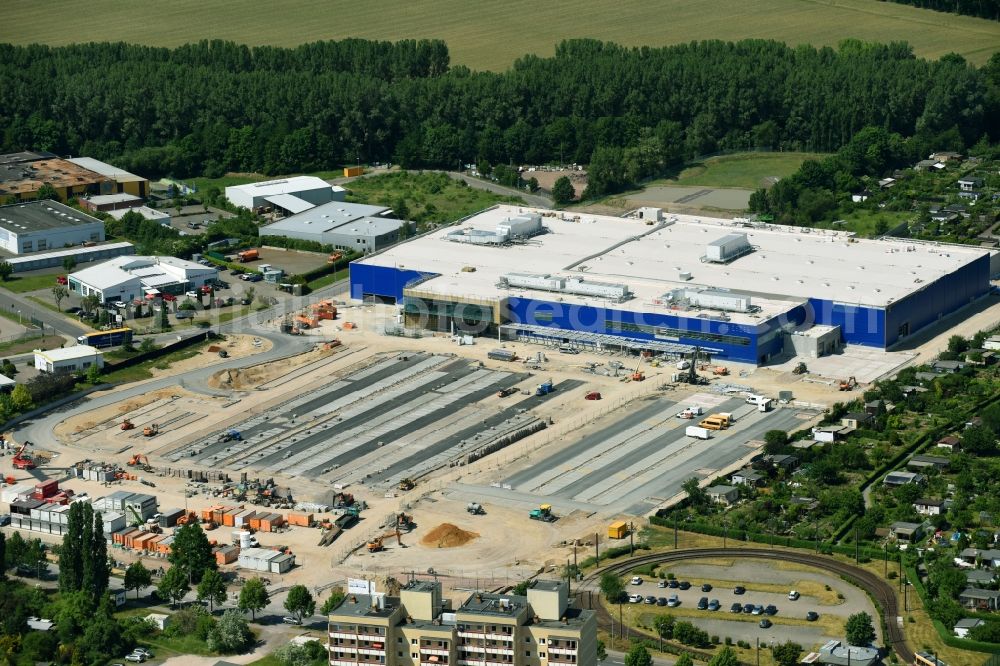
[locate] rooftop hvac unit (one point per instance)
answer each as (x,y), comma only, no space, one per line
(684,276)
(728,248)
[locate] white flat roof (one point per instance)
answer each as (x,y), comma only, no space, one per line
(68,353)
(281,186)
(122,197)
(145,211)
(72,252)
(789,264)
(151,271)
(290,202)
(104,169)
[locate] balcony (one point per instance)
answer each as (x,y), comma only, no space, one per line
(441,652)
(561,650)
(341,662)
(471,662)
(371,652)
(471,648)
(509,638)
(469,633)
(341,634)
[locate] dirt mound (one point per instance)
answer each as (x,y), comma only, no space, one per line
(447,535)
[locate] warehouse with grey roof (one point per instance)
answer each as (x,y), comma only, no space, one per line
(346,226)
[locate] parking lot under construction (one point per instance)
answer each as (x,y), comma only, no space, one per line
(402,416)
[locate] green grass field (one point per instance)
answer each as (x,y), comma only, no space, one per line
(492,35)
(746,170)
(20,284)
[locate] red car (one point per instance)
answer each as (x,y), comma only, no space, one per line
(169,297)
(61,279)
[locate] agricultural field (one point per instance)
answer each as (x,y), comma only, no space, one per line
(492,36)
(746,170)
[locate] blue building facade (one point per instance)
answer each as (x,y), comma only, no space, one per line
(861,325)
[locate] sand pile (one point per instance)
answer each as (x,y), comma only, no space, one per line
(447,535)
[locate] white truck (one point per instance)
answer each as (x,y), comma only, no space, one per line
(697,432)
(764,404)
(690,412)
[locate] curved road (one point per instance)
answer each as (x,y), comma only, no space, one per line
(40,429)
(882,593)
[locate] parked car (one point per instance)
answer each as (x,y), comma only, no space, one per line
(673,584)
(661,584)
(4,520)
(661,601)
(288,619)
(793,595)
(705,587)
(61,279)
(142,650)
(636,580)
(635,598)
(73,310)
(673,601)
(739,589)
(119,304)
(684,585)
(714,605)
(650,600)
(771,609)
(169,297)
(703,603)
(758,610)
(255,277)
(192,295)
(737,607)
(747,608)
(812,616)
(136,657)
(764,624)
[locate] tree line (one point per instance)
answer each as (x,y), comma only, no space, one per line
(216,106)
(987,9)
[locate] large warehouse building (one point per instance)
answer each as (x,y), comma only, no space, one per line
(737,290)
(347,226)
(38,226)
(288,195)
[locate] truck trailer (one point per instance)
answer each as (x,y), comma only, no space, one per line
(113,338)
(698,432)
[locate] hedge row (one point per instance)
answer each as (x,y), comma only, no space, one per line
(610,554)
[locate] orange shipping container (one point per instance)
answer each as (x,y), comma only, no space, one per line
(300,519)
(153,543)
(255,521)
(351,172)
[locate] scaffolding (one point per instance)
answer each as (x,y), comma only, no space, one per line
(550,335)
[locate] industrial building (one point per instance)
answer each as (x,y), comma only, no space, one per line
(23,174)
(288,195)
(265,559)
(151,214)
(68,359)
(38,226)
(106,203)
(123,181)
(735,289)
(130,277)
(345,226)
(80,255)
(419,628)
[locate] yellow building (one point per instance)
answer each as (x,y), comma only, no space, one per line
(418,628)
(23,174)
(124,182)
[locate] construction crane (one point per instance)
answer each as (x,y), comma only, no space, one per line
(21,460)
(127,425)
(378,543)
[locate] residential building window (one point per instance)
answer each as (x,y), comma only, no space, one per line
(541,655)
(27,246)
(541,641)
(399,639)
(42,244)
(414,655)
(527,653)
(399,653)
(413,641)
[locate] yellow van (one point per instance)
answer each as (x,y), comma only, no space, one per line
(715,422)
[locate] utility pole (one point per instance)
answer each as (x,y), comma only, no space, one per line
(758,651)
(725,533)
(886,560)
(597,551)
(675,530)
(857,547)
(574,554)
(631,541)
(901,570)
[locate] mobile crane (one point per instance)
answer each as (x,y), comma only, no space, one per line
(21,460)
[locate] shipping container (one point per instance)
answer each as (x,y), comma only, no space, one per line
(618,530)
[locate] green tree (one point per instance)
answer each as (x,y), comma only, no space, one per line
(94,374)
(612,587)
(164,322)
(3,557)
(602,651)
(69,263)
(253,597)
(859,629)
(46,191)
(775,441)
(8,368)
(147,345)
(724,657)
(664,626)
(957,344)
(137,577)
(684,660)
(21,398)
(696,494)
(562,191)
(192,552)
(212,588)
(5,270)
(400,209)
(102,636)
(71,554)
(332,601)
(232,634)
(299,602)
(533,185)
(174,584)
(638,655)
(786,654)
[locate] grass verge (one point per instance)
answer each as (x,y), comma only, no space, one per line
(144,370)
(745,170)
(20,284)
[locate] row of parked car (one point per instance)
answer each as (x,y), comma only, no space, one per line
(712,605)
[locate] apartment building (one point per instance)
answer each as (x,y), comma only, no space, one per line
(420,628)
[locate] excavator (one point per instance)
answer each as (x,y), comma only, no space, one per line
(190,517)
(151,430)
(377,544)
(406,484)
(140,460)
(127,425)
(848,384)
(21,460)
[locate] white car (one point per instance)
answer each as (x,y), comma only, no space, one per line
(635,598)
(793,595)
(290,620)
(636,580)
(192,294)
(137,657)
(120,304)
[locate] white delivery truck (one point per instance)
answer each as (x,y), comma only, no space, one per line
(763,403)
(695,431)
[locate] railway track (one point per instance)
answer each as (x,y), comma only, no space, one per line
(882,593)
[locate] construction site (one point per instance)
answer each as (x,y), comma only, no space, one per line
(336,439)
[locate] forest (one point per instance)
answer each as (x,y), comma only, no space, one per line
(988,9)
(214,107)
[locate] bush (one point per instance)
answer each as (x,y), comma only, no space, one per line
(729,641)
(715,640)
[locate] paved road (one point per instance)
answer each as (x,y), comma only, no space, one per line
(14,302)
